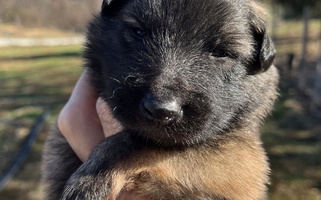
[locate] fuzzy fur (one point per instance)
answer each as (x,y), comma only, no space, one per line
(214,58)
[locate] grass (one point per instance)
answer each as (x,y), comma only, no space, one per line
(9,30)
(289,35)
(291,136)
(37,77)
(292,139)
(31,78)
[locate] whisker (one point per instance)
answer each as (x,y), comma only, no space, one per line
(114,109)
(113,95)
(112,78)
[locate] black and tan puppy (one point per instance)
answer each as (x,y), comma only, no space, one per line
(191,81)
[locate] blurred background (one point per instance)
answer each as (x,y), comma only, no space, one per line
(40,61)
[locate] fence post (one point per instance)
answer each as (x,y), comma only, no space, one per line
(274,19)
(305,38)
(316,94)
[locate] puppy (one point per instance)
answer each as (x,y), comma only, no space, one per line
(191,81)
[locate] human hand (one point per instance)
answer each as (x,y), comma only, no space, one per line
(86,120)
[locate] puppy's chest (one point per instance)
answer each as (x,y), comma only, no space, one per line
(201,173)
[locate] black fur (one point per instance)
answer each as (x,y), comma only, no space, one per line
(212,56)
(176,57)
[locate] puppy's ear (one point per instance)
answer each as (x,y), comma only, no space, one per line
(109,7)
(264,51)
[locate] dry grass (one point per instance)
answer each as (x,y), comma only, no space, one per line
(288,36)
(292,137)
(45,76)
(31,78)
(9,30)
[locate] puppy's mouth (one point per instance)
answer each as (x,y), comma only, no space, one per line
(163,119)
(166,125)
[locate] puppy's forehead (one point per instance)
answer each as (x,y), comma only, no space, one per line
(187,11)
(217,21)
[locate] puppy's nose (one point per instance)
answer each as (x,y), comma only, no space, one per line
(163,111)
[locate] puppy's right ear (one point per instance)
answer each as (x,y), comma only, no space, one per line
(264,48)
(109,7)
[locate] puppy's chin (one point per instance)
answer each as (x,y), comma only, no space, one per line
(167,139)
(185,131)
(174,134)
(194,127)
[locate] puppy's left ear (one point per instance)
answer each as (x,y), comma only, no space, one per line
(109,7)
(264,51)
(104,6)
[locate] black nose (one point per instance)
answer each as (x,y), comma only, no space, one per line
(163,111)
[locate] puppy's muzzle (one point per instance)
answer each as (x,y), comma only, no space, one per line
(163,111)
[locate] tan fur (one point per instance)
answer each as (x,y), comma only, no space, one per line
(230,166)
(238,163)
(236,166)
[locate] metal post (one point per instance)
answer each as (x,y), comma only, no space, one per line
(302,67)
(316,95)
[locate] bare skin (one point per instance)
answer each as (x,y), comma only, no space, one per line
(86,120)
(79,121)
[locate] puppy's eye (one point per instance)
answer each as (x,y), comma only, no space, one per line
(219,53)
(138,32)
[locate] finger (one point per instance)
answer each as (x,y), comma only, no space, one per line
(110,125)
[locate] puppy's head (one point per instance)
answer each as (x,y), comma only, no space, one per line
(181,72)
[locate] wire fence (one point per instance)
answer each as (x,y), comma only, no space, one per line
(301,65)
